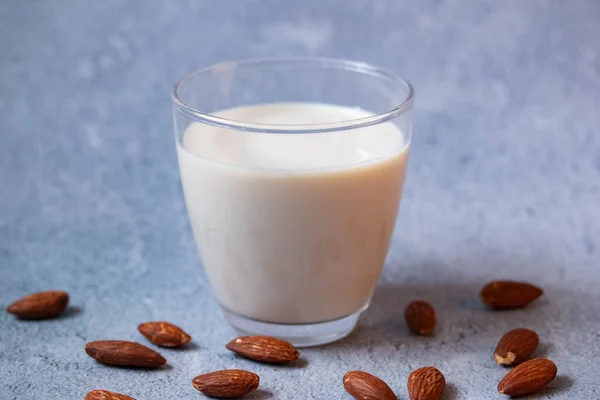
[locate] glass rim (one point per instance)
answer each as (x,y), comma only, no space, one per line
(333,63)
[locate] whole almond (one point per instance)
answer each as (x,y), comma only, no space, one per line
(420,317)
(529,377)
(364,386)
(106,395)
(426,383)
(263,348)
(40,305)
(516,346)
(124,354)
(226,384)
(509,294)
(164,334)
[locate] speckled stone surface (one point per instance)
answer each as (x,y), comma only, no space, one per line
(503,182)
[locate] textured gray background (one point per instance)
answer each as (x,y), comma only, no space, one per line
(504,181)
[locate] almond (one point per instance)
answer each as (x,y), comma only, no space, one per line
(426,383)
(106,395)
(263,348)
(529,377)
(509,294)
(226,384)
(40,305)
(420,317)
(125,354)
(516,346)
(364,386)
(164,334)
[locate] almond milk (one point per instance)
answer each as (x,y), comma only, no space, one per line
(293,228)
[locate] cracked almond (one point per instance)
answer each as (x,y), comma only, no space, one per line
(516,346)
(164,334)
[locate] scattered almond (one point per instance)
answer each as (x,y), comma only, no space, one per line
(40,305)
(164,334)
(509,294)
(420,317)
(529,377)
(516,346)
(226,384)
(263,348)
(364,386)
(125,354)
(106,395)
(426,383)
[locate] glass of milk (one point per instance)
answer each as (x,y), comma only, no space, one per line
(292,171)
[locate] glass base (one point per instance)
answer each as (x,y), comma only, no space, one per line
(301,335)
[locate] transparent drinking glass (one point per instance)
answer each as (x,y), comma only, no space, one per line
(292,171)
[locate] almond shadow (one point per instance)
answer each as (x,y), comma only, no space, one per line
(190,346)
(165,367)
(451,392)
(297,364)
(71,312)
(259,394)
(559,384)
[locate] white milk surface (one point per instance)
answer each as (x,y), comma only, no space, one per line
(293,228)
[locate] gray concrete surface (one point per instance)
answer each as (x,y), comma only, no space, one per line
(503,182)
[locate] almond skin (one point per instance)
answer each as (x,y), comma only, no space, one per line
(516,346)
(529,377)
(265,349)
(40,305)
(509,294)
(426,383)
(164,334)
(364,386)
(420,317)
(124,354)
(226,384)
(106,395)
